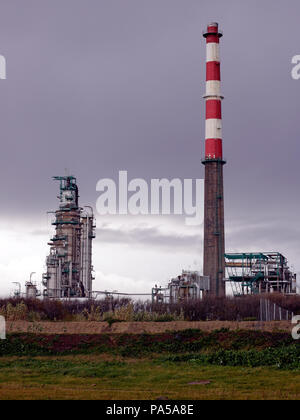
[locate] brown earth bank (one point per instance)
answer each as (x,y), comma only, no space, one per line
(140,327)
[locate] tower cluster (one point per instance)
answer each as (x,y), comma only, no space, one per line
(69,264)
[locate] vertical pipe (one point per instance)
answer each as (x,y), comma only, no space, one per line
(260,309)
(87,267)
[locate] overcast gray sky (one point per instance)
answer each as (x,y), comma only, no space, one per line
(98,86)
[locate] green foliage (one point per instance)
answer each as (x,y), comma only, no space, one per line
(232,348)
(283,358)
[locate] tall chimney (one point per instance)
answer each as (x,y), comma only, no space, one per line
(214,242)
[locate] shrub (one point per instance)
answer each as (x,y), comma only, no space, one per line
(210,308)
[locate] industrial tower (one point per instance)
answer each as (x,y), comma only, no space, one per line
(69,264)
(214,242)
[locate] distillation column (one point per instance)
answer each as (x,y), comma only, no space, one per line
(87,235)
(69,264)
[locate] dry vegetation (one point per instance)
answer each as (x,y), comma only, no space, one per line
(146,351)
(212,309)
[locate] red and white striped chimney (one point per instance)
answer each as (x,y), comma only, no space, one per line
(213,98)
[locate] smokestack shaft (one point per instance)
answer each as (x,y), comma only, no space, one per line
(214,242)
(213,98)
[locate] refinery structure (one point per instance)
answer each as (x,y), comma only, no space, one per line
(244,273)
(189,285)
(259,272)
(69,271)
(69,263)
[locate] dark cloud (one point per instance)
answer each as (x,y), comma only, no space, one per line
(40,232)
(109,85)
(278,236)
(149,236)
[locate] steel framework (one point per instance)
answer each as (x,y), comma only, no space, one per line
(69,264)
(259,272)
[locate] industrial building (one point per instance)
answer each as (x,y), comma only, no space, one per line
(32,291)
(259,272)
(189,285)
(69,263)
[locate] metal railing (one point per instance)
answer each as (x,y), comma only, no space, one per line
(270,311)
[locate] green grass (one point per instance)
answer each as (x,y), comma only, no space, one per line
(237,364)
(110,377)
(138,345)
(221,347)
(282,358)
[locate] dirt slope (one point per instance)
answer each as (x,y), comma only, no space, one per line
(139,327)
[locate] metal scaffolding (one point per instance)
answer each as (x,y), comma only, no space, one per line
(69,264)
(189,285)
(259,272)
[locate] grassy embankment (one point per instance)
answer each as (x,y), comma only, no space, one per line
(189,364)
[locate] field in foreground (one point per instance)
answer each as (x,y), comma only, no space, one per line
(112,378)
(186,364)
